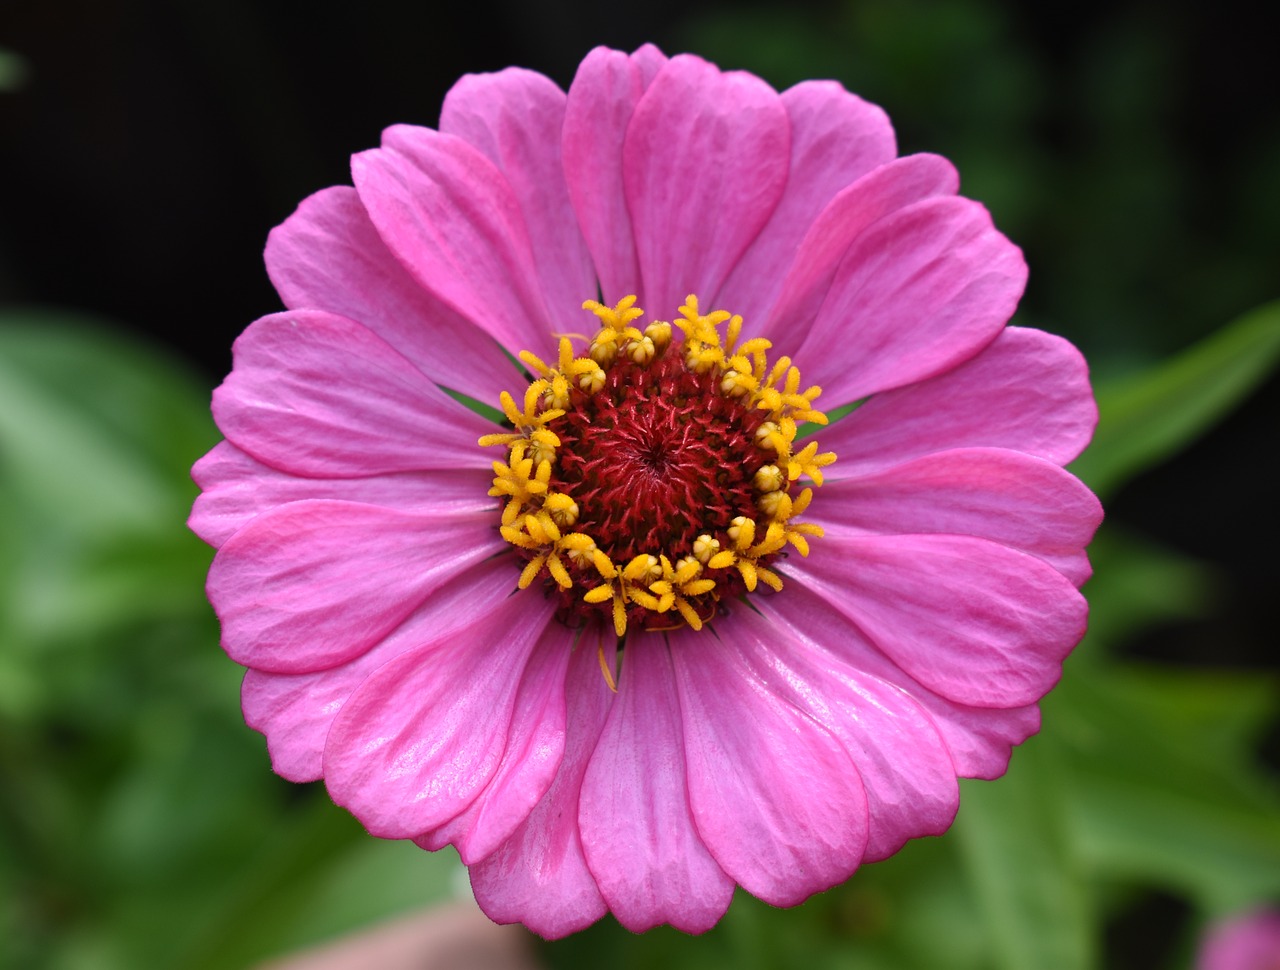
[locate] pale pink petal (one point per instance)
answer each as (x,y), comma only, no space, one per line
(979,739)
(602,99)
(972,620)
(917,293)
(827,238)
(328,256)
(236,487)
(295,711)
(453,221)
(318,395)
(639,838)
(649,60)
(539,876)
(535,744)
(704,164)
(836,138)
(314,584)
(420,739)
(1028,391)
(516,118)
(906,769)
(1010,497)
(773,794)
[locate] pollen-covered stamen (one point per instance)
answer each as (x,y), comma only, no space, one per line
(572,545)
(677,472)
(809,463)
(789,400)
(519,480)
(530,424)
(703,351)
(785,509)
(562,509)
(561,379)
(622,586)
(780,436)
(680,584)
(615,328)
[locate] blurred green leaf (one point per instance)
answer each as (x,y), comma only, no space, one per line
(1151,415)
(1222,856)
(1164,787)
(117,770)
(97,436)
(315,876)
(1142,584)
(1030,889)
(13,70)
(83,377)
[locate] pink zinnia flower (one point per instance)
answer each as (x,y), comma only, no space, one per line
(1247,942)
(624,652)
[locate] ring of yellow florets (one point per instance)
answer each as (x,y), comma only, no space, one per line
(648,486)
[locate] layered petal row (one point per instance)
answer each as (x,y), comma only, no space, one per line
(390,587)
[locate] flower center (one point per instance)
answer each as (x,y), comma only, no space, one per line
(657,457)
(647,481)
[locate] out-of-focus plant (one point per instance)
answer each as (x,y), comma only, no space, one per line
(13,70)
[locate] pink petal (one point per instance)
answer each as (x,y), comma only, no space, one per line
(979,739)
(539,876)
(829,235)
(453,221)
(516,118)
(295,711)
(1028,391)
(639,838)
(970,619)
(906,769)
(236,487)
(328,256)
(1009,497)
(917,293)
(421,738)
(836,137)
(773,794)
(317,395)
(649,60)
(704,165)
(602,99)
(313,584)
(535,744)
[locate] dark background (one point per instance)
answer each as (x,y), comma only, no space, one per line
(1131,149)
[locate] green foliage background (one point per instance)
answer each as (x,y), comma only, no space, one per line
(140,825)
